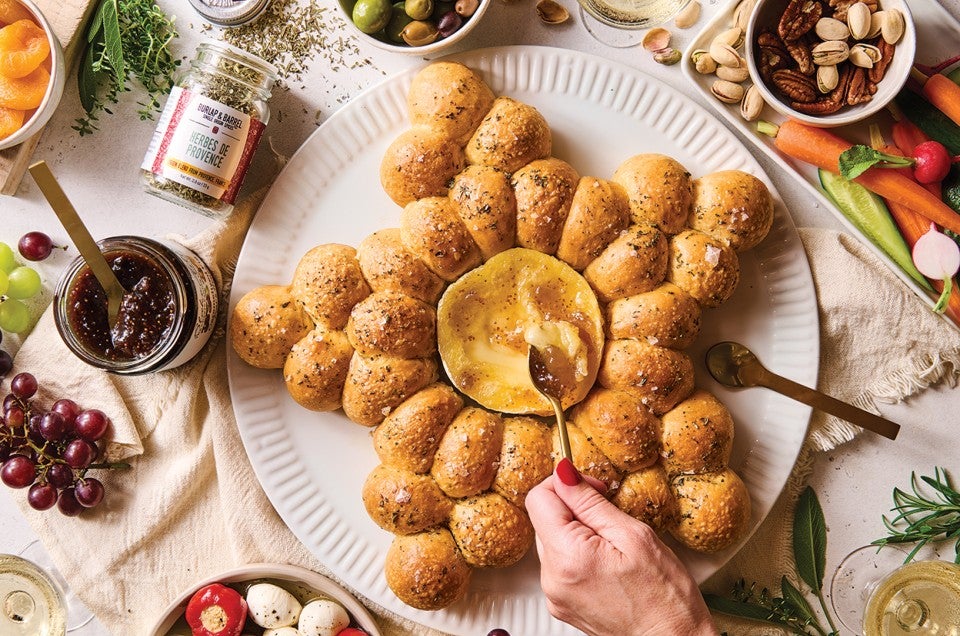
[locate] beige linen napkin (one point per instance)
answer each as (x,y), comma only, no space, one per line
(191,506)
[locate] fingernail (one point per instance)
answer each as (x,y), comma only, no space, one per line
(567,472)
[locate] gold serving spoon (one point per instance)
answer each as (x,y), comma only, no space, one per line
(80,236)
(732,364)
(549,387)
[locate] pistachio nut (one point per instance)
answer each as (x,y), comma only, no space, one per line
(830,53)
(741,15)
(668,56)
(703,62)
(831,29)
(466,8)
(865,55)
(751,104)
(732,36)
(827,78)
(727,92)
(858,20)
(656,39)
(733,74)
(876,23)
(420,33)
(725,55)
(689,16)
(552,12)
(892,26)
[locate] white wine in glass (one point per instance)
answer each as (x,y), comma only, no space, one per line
(615,22)
(31,603)
(874,593)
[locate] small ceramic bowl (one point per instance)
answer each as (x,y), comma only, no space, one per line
(442,45)
(301,582)
(766,15)
(51,98)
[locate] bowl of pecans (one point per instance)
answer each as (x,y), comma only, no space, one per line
(829,62)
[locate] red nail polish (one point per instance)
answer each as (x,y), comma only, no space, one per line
(567,472)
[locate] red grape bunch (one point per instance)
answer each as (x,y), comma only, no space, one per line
(50,451)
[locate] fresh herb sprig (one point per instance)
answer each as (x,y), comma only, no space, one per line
(791,609)
(127,41)
(923,517)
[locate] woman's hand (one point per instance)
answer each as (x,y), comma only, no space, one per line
(605,572)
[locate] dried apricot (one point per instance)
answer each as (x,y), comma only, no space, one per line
(10,121)
(11,11)
(24,93)
(23,47)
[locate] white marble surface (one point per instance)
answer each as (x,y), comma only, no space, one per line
(100,174)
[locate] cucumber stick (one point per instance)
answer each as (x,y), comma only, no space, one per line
(869,214)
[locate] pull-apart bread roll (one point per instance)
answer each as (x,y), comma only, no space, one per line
(377,385)
(598,214)
(389,266)
(666,316)
(544,190)
(410,435)
(466,461)
(634,263)
(427,570)
(450,98)
(431,230)
(487,206)
(658,376)
(697,435)
(706,268)
(525,458)
(659,190)
(403,502)
(393,324)
(266,323)
(714,510)
(732,206)
(511,135)
(316,369)
(420,163)
(620,426)
(490,531)
(328,282)
(646,495)
(588,459)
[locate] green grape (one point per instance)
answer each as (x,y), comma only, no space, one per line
(14,316)
(8,260)
(23,282)
(4,282)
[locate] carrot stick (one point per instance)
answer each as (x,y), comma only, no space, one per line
(944,94)
(907,136)
(822,148)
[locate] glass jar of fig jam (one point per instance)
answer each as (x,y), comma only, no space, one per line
(168,311)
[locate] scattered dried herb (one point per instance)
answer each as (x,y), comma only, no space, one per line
(127,42)
(921,517)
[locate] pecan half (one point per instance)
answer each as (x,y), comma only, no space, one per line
(773,54)
(840,7)
(879,69)
(795,85)
(799,18)
(800,51)
(859,91)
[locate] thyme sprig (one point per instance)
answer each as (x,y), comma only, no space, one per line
(922,516)
(127,41)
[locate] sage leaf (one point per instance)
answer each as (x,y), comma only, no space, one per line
(112,40)
(739,608)
(797,600)
(810,539)
(88,78)
(96,25)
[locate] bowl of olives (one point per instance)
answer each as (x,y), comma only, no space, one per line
(420,27)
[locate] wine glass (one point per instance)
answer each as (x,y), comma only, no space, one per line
(618,23)
(876,593)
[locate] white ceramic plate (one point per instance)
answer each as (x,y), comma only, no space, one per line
(937,35)
(312,465)
(301,582)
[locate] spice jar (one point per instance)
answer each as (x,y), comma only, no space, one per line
(209,130)
(230,13)
(168,311)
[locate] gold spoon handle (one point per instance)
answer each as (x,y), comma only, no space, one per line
(562,428)
(833,406)
(80,236)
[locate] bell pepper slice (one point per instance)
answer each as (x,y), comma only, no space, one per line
(216,610)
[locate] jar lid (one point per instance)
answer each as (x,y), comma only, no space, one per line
(230,13)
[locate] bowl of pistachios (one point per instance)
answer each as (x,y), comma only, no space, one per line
(418,27)
(826,62)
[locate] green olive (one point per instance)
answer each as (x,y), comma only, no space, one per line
(419,9)
(420,33)
(371,16)
(398,21)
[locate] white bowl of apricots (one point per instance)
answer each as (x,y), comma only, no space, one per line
(31,71)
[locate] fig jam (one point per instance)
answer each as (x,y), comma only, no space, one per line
(167,312)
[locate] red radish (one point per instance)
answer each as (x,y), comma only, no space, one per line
(932,162)
(937,256)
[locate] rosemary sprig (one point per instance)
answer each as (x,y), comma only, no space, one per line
(924,517)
